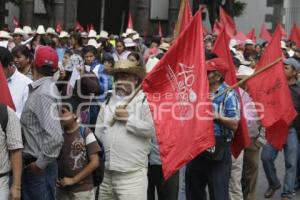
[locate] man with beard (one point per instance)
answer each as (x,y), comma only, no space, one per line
(125,134)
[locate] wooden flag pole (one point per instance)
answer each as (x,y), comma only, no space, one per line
(113,121)
(247,78)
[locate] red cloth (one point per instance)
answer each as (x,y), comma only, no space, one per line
(58,28)
(295,34)
(283,33)
(240,36)
(218,27)
(79,27)
(187,16)
(5,97)
(264,33)
(217,64)
(16,22)
(228,22)
(252,35)
(221,48)
(130,22)
(180,79)
(271,90)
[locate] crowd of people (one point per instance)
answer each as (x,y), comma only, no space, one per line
(69,91)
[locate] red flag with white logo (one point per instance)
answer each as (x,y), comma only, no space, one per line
(270,89)
(178,94)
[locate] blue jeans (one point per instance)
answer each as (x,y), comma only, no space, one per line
(181,191)
(297,184)
(268,156)
(4,187)
(40,187)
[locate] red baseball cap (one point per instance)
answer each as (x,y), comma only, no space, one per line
(45,55)
(217,64)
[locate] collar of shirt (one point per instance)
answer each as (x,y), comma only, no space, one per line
(13,77)
(221,88)
(39,82)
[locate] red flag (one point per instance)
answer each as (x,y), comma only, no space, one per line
(217,27)
(130,22)
(221,48)
(240,37)
(58,28)
(264,33)
(252,35)
(5,97)
(180,79)
(184,17)
(228,22)
(160,33)
(295,34)
(79,27)
(271,90)
(283,33)
(16,22)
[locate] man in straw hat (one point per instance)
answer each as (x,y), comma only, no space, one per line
(125,134)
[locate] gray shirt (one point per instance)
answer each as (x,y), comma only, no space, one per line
(40,122)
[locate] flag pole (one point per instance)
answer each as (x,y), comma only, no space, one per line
(249,77)
(113,121)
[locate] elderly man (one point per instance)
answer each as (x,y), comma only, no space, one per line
(213,167)
(126,134)
(41,129)
(269,153)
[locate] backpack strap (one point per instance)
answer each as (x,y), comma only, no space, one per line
(3,117)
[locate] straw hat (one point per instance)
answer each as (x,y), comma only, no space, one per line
(84,34)
(51,31)
(103,34)
(40,30)
(27,30)
(126,66)
(93,42)
(64,34)
(92,34)
(244,72)
(248,42)
(19,31)
(164,46)
(5,35)
(130,31)
(136,36)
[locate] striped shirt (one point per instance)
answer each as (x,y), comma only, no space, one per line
(11,139)
(40,122)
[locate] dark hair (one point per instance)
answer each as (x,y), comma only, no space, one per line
(210,55)
(156,40)
(109,59)
(6,57)
(45,70)
(77,38)
(121,41)
(23,50)
(89,49)
(135,55)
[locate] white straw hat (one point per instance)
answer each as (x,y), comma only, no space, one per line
(64,34)
(5,35)
(40,30)
(92,34)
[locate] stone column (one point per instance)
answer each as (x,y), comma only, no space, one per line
(59,9)
(292,13)
(26,12)
(141,15)
(71,13)
(173,15)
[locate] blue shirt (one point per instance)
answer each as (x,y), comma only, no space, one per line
(227,105)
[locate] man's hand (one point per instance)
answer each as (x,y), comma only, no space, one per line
(15,192)
(34,169)
(65,182)
(121,114)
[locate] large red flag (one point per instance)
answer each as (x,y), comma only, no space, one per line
(283,33)
(184,127)
(16,22)
(264,33)
(295,34)
(217,27)
(221,48)
(252,35)
(130,22)
(240,36)
(184,17)
(228,22)
(271,90)
(5,97)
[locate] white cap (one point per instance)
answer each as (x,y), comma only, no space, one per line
(248,41)
(92,34)
(244,71)
(233,43)
(19,31)
(64,34)
(93,43)
(103,34)
(51,30)
(84,34)
(129,42)
(40,30)
(130,31)
(5,35)
(27,30)
(136,36)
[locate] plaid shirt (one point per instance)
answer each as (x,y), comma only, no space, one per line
(227,105)
(40,122)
